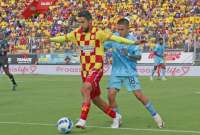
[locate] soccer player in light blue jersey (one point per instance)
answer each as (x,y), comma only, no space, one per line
(159,62)
(124,73)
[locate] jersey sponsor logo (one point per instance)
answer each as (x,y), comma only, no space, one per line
(87,49)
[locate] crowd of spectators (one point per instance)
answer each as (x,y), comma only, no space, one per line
(175,20)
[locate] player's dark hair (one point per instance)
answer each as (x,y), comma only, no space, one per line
(123,21)
(159,39)
(86,14)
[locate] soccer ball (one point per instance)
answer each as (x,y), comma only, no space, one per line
(64,125)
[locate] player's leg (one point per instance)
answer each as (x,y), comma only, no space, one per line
(112,93)
(101,104)
(163,71)
(158,71)
(134,85)
(7,72)
(150,108)
(85,108)
(86,95)
(89,91)
(153,71)
(114,86)
(1,72)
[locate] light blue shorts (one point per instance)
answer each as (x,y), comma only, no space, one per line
(131,83)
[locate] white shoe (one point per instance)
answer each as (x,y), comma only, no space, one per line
(81,123)
(159,121)
(151,78)
(164,78)
(116,121)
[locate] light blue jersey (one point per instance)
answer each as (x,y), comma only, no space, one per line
(121,64)
(159,54)
(123,69)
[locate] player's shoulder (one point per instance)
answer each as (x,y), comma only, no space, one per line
(101,31)
(135,47)
(77,30)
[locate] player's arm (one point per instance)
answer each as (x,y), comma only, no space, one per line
(124,40)
(60,39)
(134,57)
(135,54)
(104,36)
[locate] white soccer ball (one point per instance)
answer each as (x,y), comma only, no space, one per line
(64,125)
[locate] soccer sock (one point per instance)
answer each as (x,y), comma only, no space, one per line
(158,70)
(12,79)
(84,110)
(150,108)
(163,72)
(152,72)
(116,110)
(110,112)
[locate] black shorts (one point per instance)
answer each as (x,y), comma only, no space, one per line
(4,61)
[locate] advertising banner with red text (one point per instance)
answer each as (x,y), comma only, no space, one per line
(75,70)
(170,57)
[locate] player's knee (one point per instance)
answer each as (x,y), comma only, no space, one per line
(87,86)
(96,100)
(111,98)
(8,73)
(141,97)
(111,95)
(138,94)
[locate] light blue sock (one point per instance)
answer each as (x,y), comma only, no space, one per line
(163,72)
(150,108)
(152,72)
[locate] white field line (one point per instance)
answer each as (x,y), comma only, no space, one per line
(130,129)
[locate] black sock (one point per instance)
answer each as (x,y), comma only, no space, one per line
(12,79)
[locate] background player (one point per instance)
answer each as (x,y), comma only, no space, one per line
(4,48)
(124,71)
(159,62)
(90,40)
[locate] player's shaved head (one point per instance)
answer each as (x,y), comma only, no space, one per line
(123,27)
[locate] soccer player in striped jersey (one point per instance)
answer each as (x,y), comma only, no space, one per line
(90,39)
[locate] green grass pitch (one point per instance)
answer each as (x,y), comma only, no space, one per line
(41,100)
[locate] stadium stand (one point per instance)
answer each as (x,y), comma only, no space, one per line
(176,21)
